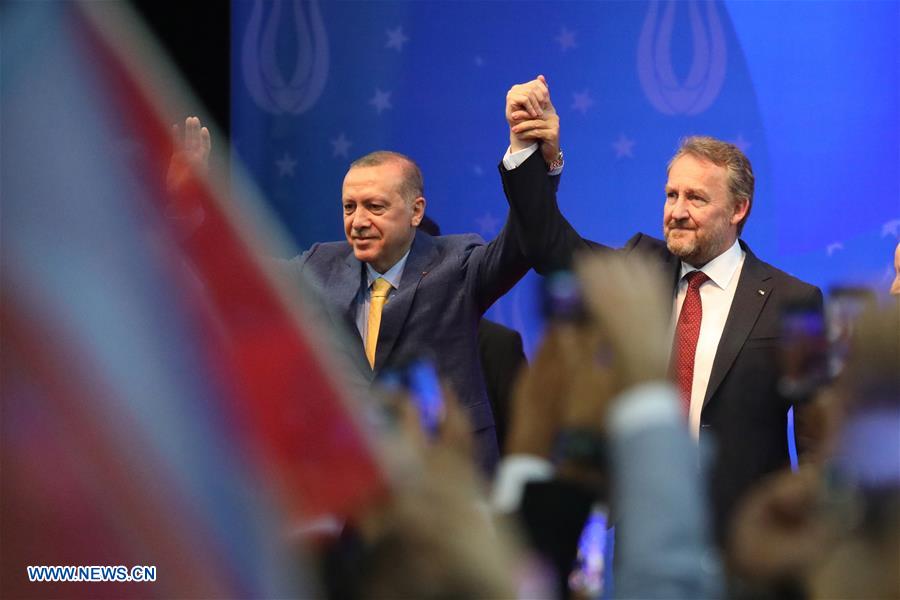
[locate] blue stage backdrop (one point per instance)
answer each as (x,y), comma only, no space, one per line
(808,89)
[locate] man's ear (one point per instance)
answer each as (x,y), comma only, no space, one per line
(418,207)
(741,208)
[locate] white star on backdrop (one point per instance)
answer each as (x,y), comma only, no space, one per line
(381,100)
(891,228)
(742,144)
(396,38)
(479,62)
(340,145)
(478,170)
(566,39)
(582,101)
(487,224)
(832,248)
(623,146)
(286,165)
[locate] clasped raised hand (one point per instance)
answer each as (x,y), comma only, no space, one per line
(532,118)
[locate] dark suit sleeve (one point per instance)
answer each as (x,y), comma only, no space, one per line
(535,234)
(493,269)
(548,240)
(291,272)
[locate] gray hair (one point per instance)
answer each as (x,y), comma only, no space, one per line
(412,185)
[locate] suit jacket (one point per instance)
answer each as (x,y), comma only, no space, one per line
(743,414)
(502,357)
(447,284)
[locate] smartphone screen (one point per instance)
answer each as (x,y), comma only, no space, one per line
(845,305)
(425,389)
(588,577)
(803,350)
(419,379)
(561,298)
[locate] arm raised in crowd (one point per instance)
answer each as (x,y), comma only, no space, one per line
(191,155)
(605,379)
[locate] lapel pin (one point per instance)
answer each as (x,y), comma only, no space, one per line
(761,292)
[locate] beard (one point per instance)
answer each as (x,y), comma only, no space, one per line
(696,249)
(682,246)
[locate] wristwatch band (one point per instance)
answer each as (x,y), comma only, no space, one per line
(557,162)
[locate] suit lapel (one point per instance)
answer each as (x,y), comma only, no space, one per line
(656,251)
(672,269)
(342,288)
(421,255)
(753,291)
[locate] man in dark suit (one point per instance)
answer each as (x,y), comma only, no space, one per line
(437,287)
(407,294)
(726,324)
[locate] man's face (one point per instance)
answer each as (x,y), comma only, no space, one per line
(700,219)
(378,222)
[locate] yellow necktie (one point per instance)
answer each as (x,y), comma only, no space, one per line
(380,289)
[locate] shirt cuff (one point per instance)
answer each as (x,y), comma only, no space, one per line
(644,406)
(511,160)
(513,473)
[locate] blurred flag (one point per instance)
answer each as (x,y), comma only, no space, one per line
(163,403)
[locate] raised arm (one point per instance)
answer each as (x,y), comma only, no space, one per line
(535,234)
(547,239)
(191,154)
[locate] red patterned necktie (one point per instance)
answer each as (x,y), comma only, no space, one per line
(686,333)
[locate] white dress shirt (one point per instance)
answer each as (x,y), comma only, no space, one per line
(716,295)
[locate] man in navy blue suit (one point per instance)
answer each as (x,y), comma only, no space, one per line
(437,287)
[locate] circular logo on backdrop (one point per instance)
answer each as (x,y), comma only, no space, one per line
(284,55)
(701,86)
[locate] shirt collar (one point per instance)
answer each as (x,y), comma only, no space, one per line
(720,269)
(392,275)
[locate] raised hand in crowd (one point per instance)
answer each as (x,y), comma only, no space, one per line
(536,410)
(191,155)
(777,533)
(433,536)
(625,298)
(581,366)
(834,528)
